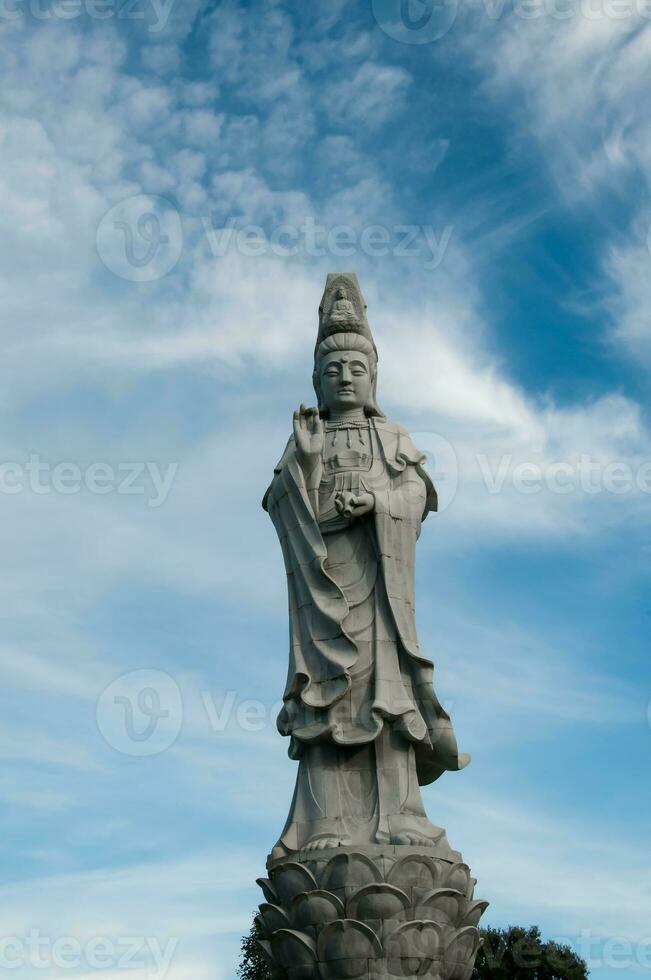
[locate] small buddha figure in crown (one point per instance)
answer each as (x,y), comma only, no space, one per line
(343,311)
(347,499)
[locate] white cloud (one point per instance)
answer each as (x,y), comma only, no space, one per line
(117,368)
(28,746)
(580,80)
(541,682)
(197,909)
(582,85)
(161,58)
(537,867)
(199,127)
(353,46)
(370,97)
(629,267)
(77,679)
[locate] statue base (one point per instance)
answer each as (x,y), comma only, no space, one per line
(370,913)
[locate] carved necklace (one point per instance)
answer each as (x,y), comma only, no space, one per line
(348,424)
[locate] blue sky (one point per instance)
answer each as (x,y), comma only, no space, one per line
(161,166)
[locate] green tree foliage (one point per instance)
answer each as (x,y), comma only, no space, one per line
(253,965)
(520,954)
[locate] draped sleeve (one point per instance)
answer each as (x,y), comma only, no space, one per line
(322,655)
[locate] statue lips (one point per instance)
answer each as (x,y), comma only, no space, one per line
(346,392)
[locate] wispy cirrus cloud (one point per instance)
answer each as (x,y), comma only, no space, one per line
(269,115)
(580,83)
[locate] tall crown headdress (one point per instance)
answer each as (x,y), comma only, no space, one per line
(343,311)
(342,308)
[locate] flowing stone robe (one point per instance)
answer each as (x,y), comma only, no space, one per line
(359,706)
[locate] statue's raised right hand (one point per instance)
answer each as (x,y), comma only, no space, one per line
(308,435)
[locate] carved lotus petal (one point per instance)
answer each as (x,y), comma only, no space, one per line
(460,953)
(268,890)
(295,952)
(265,949)
(414,948)
(292,879)
(346,871)
(377,901)
(275,972)
(414,871)
(474,912)
(273,918)
(448,901)
(345,947)
(458,876)
(316,909)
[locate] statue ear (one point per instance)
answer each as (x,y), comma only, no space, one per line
(373,408)
(317,391)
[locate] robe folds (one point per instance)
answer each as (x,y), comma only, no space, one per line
(371,568)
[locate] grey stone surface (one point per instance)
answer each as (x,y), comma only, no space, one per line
(347,914)
(360,881)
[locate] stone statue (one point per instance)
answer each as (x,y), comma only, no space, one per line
(347,500)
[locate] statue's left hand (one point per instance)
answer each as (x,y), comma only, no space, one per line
(354,504)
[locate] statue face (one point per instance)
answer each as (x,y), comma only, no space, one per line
(346,380)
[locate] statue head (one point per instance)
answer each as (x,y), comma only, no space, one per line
(345,358)
(345,374)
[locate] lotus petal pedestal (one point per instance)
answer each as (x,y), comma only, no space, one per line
(366,913)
